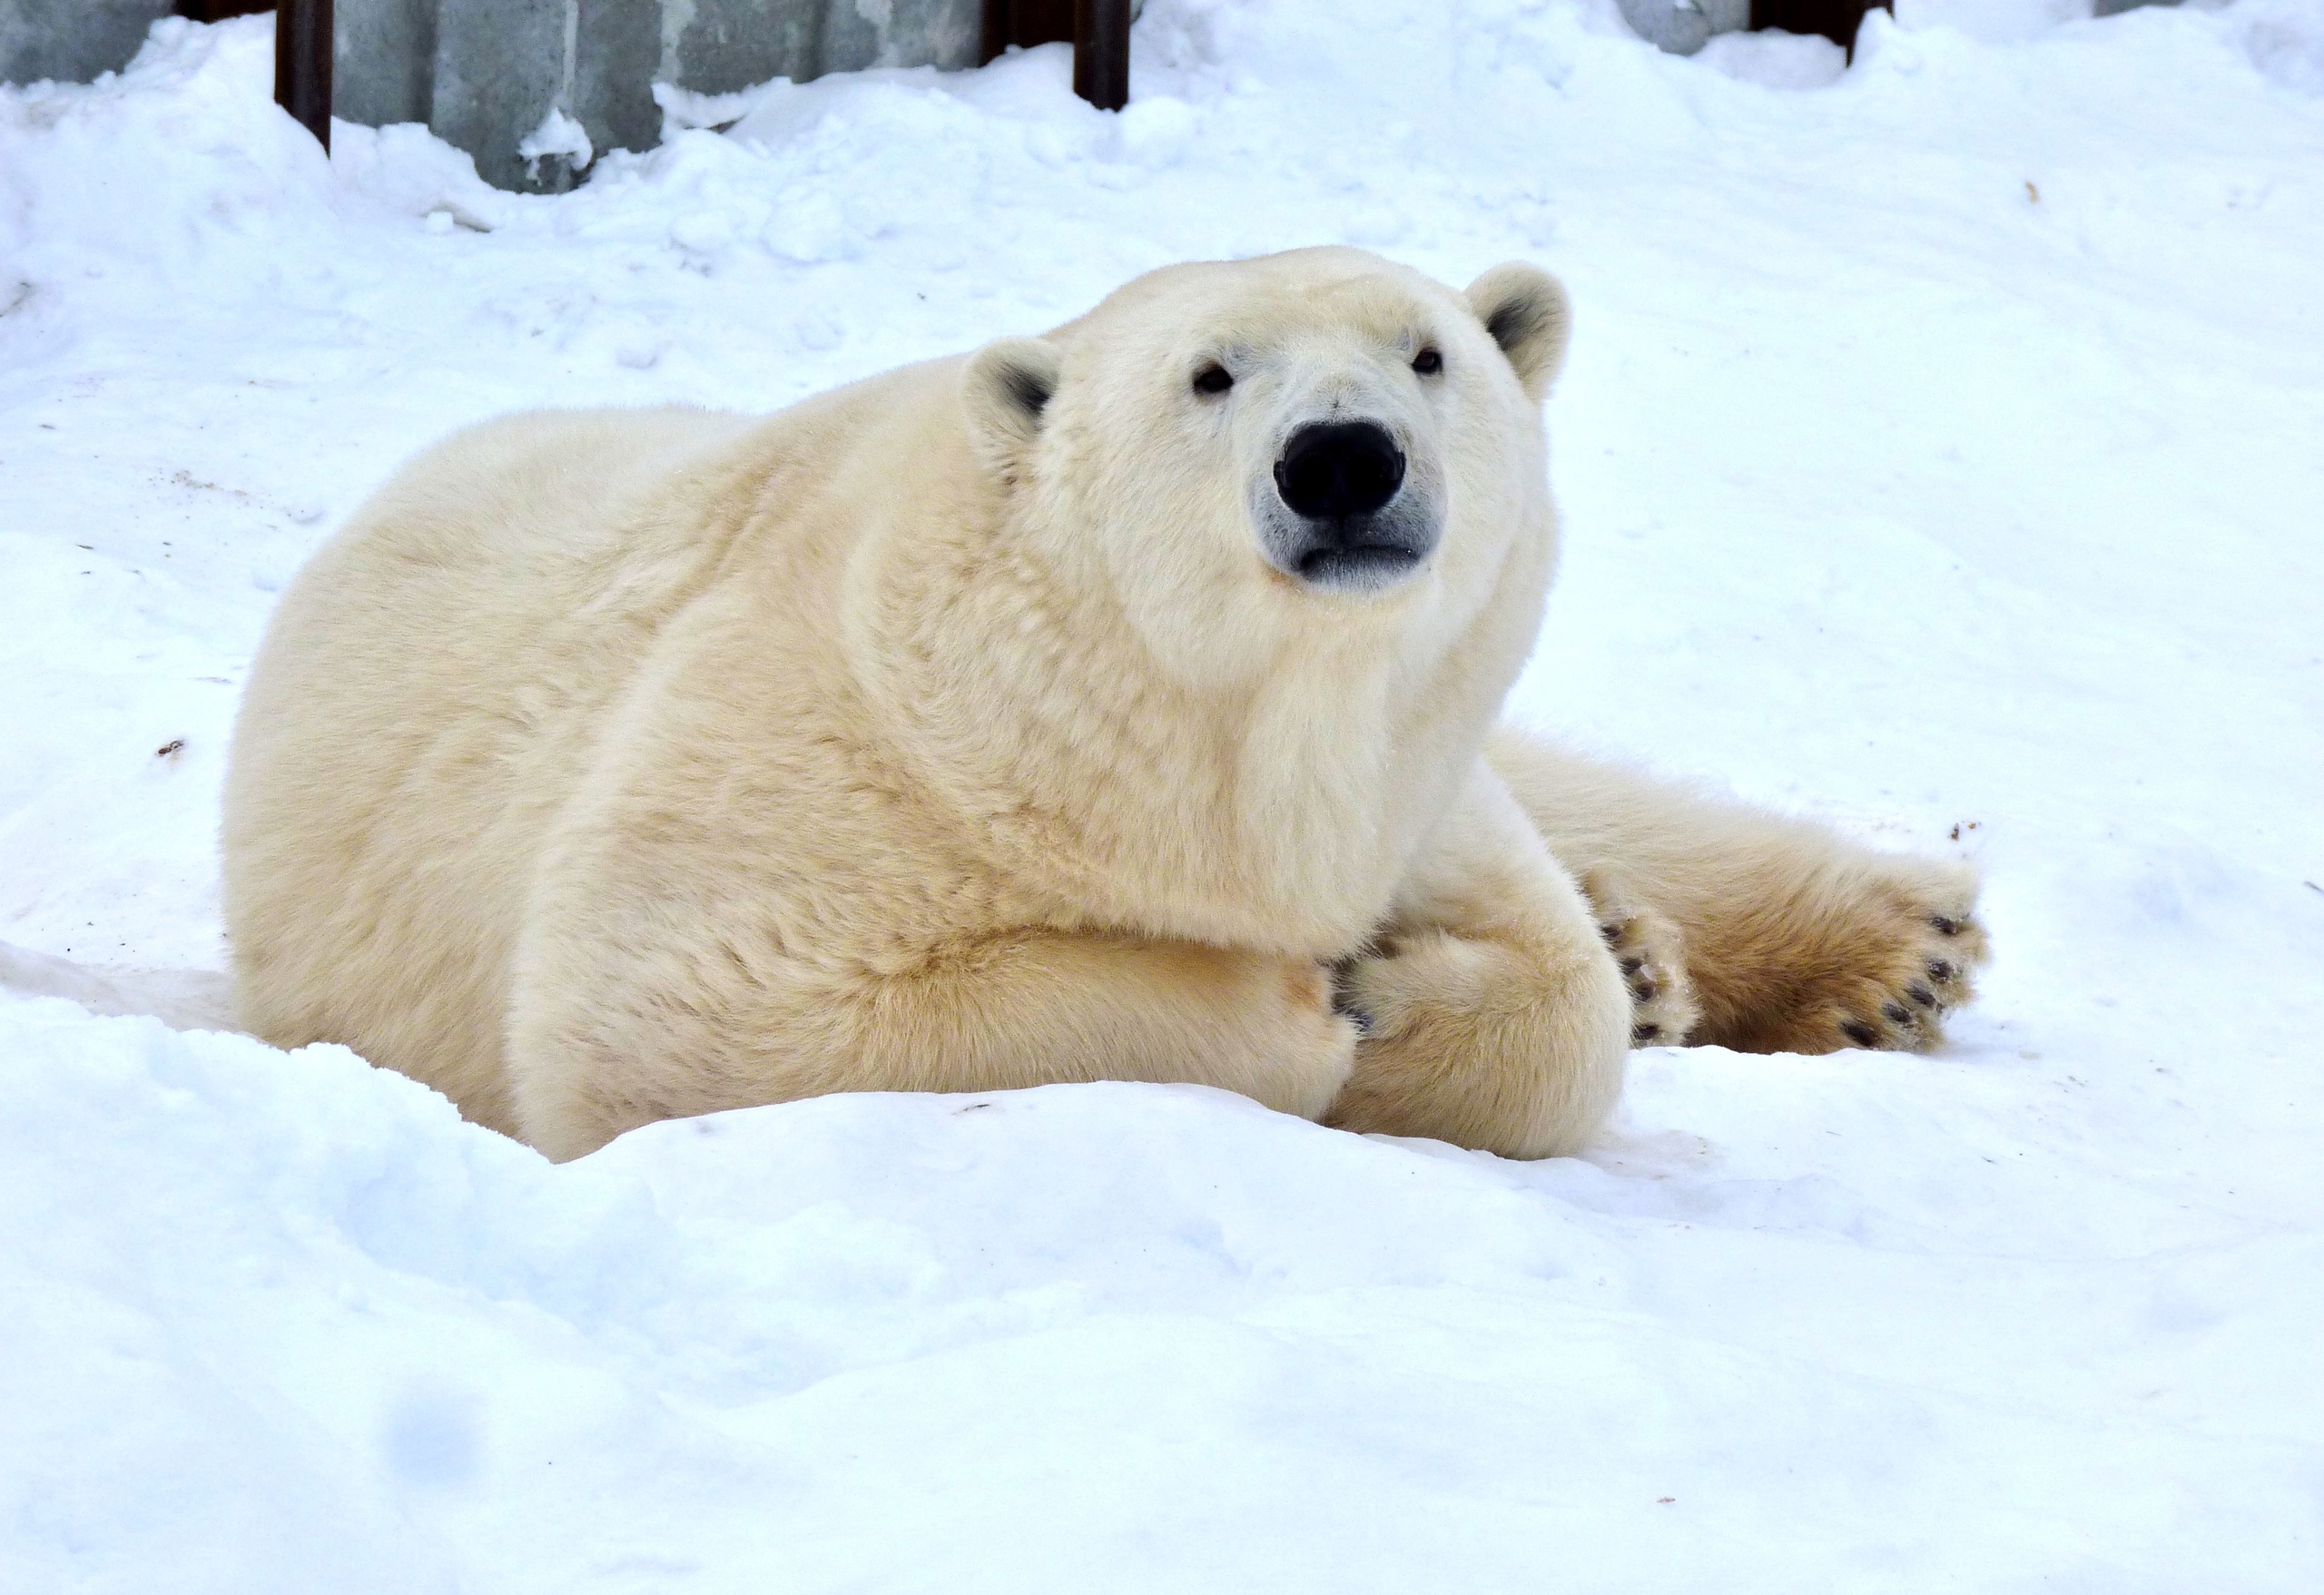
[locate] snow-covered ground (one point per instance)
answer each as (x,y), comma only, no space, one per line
(1941,448)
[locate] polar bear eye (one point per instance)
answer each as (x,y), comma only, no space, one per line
(1213,378)
(1428,362)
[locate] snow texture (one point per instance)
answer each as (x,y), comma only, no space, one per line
(558,137)
(1940,454)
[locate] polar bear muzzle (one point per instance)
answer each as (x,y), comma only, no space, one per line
(1341,518)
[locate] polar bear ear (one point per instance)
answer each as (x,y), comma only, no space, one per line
(1526,310)
(1005,389)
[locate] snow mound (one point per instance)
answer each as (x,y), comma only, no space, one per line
(288,1311)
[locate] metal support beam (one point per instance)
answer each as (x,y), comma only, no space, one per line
(1836,20)
(302,40)
(1101,53)
(1098,30)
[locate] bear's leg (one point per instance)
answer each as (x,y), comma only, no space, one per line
(1794,939)
(1028,1009)
(1495,1015)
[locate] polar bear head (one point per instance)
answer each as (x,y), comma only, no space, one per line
(1249,451)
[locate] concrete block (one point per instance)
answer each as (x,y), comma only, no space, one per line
(499,69)
(1684,26)
(383,61)
(899,33)
(717,46)
(72,41)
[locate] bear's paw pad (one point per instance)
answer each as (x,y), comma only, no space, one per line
(1911,957)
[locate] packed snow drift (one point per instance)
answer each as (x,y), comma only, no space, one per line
(1940,454)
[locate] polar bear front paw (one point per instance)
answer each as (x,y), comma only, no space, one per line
(1652,955)
(1507,1047)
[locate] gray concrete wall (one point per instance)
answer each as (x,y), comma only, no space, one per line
(72,41)
(484,74)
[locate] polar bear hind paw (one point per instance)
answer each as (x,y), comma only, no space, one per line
(1903,1008)
(1902,951)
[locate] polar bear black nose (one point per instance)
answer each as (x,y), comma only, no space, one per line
(1333,470)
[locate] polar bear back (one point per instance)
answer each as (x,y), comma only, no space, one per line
(433,687)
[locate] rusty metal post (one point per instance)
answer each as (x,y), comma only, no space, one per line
(996,31)
(1836,20)
(302,42)
(1101,53)
(1025,23)
(1098,29)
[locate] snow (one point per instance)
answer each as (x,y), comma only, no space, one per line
(1940,449)
(560,136)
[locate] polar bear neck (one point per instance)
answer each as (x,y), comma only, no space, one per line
(1276,812)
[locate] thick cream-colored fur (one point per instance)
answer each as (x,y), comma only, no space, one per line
(946,731)
(1781,935)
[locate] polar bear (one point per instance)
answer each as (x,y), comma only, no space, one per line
(1112,704)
